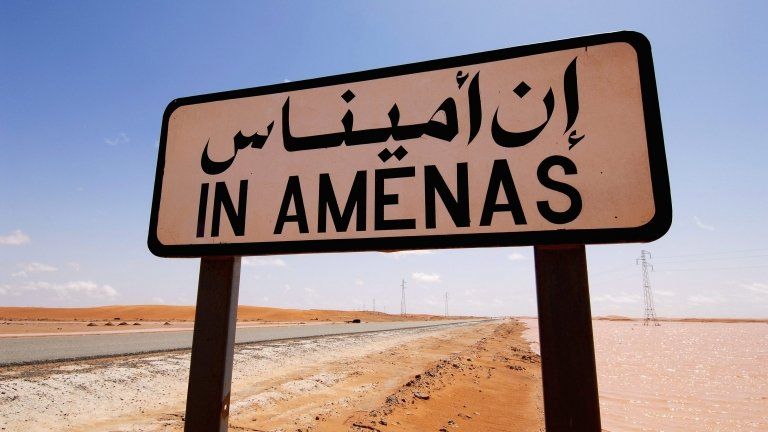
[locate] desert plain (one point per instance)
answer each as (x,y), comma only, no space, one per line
(473,375)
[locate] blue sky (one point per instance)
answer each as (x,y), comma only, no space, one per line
(83,86)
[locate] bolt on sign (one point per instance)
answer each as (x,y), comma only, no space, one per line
(553,143)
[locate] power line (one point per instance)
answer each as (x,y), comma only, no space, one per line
(613,270)
(598,275)
(711,253)
(673,261)
(613,279)
(716,268)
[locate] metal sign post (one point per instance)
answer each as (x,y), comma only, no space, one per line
(565,337)
(210,372)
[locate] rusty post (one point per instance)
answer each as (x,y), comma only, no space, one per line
(565,335)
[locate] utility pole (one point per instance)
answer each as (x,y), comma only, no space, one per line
(446,303)
(402,299)
(650,310)
(374,305)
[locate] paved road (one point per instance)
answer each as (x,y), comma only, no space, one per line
(53,348)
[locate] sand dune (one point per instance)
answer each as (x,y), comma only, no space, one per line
(187,313)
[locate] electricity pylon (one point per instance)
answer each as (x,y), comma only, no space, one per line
(650,310)
(402,299)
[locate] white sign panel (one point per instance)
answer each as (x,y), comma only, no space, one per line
(552,143)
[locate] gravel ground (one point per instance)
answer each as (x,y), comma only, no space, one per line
(146,392)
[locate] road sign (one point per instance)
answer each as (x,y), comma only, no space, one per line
(553,143)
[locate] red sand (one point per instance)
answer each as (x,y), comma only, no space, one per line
(187,313)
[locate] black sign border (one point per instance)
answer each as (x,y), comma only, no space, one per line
(651,231)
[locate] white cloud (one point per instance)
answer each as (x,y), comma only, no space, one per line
(702,225)
(405,253)
(700,299)
(359,282)
(516,257)
(757,287)
(264,262)
(310,295)
(157,300)
(66,290)
(15,238)
(664,293)
(426,277)
(74,265)
(621,298)
(33,267)
(121,138)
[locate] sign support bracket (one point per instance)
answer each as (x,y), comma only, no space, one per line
(565,336)
(210,372)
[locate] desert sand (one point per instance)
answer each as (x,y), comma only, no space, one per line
(29,321)
(685,375)
(677,319)
(474,377)
(692,375)
(187,313)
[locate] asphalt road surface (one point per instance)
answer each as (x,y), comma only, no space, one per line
(55,348)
